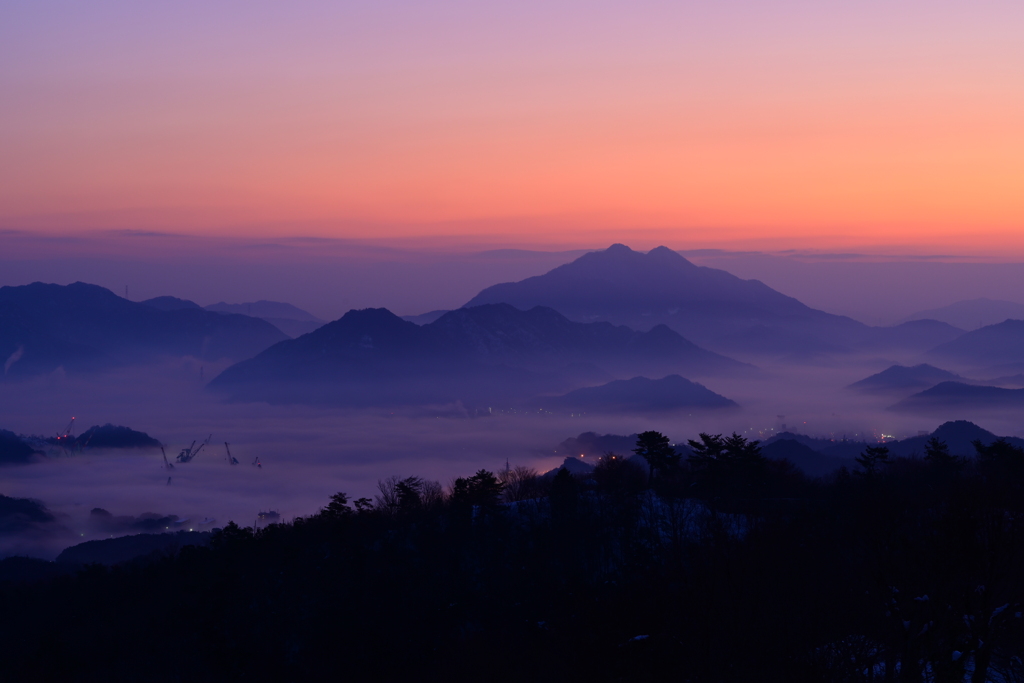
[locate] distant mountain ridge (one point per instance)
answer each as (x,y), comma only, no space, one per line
(85,327)
(492,350)
(639,395)
(999,345)
(957,395)
(712,307)
(902,378)
(973,314)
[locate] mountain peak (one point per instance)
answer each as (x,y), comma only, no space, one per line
(709,306)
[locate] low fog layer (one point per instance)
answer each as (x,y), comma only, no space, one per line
(308,453)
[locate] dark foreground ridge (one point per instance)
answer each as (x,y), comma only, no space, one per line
(720,565)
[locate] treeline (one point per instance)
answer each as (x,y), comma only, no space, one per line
(718,566)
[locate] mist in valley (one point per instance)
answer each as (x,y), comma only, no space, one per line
(308,452)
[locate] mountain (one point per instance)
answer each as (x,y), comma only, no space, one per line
(902,378)
(575,466)
(85,327)
(841,448)
(1011,380)
(913,335)
(170,303)
(492,351)
(974,313)
(111,551)
(14,450)
(639,395)
(114,436)
(959,435)
(591,444)
(290,319)
(425,318)
(712,307)
(813,463)
(961,396)
(997,345)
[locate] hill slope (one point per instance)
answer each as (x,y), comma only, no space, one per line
(639,395)
(903,378)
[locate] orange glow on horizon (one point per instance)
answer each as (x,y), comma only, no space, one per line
(814,129)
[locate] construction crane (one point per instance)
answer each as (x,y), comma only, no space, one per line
(189,454)
(231,459)
(67,430)
(64,439)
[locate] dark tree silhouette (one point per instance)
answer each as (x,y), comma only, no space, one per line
(936,454)
(338,507)
(564,496)
(655,448)
(732,466)
(482,489)
(872,460)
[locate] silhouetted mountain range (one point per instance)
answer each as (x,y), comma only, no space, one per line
(830,455)
(638,395)
(290,319)
(171,303)
(86,327)
(712,307)
(995,346)
(591,444)
(843,448)
(959,435)
(111,551)
(961,396)
(973,314)
(901,378)
(485,351)
(425,318)
(811,462)
(113,436)
(14,450)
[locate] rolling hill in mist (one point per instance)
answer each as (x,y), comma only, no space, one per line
(639,395)
(898,378)
(713,307)
(957,395)
(973,313)
(84,327)
(483,352)
(291,320)
(999,346)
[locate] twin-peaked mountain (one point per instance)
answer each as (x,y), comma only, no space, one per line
(710,306)
(86,327)
(473,354)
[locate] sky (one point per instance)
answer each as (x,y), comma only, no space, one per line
(878,126)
